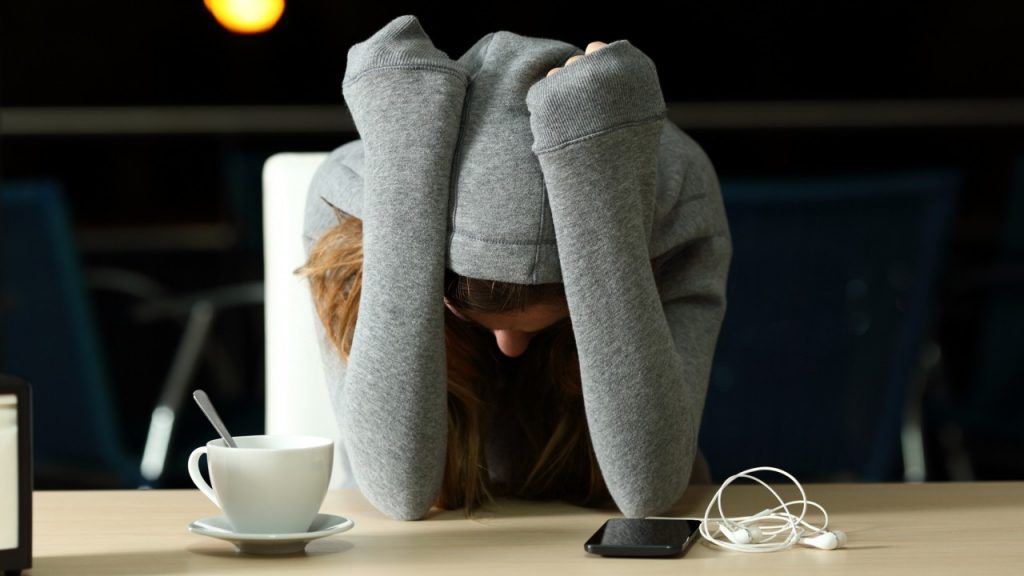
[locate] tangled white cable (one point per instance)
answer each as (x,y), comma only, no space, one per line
(771,529)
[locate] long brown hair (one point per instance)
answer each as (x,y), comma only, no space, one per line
(537,394)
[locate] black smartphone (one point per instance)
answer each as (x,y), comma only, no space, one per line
(643,537)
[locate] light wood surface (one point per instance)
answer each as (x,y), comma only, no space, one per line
(934,529)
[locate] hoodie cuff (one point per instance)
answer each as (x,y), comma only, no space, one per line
(612,87)
(401,43)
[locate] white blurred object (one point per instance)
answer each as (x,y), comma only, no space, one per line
(297,398)
(8,472)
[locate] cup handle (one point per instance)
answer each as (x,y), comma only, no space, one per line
(197,477)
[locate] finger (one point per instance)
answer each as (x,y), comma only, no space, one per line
(592,47)
(553,70)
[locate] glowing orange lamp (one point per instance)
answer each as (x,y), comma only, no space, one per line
(246,16)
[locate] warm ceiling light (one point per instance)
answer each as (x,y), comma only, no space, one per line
(246,16)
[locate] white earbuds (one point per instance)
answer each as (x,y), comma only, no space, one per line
(741,535)
(771,529)
(826,540)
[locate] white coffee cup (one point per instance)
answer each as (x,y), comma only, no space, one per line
(269,484)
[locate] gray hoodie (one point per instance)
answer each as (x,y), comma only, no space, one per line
(489,167)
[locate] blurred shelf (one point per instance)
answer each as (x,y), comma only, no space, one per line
(733,115)
(200,237)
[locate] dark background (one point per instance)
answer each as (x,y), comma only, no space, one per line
(199,188)
(174,53)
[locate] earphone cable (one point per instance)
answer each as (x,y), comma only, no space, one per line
(767,525)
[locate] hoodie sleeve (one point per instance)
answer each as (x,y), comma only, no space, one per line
(644,356)
(406,98)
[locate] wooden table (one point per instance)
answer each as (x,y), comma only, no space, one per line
(934,529)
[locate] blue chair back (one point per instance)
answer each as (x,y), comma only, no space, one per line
(992,406)
(829,300)
(48,336)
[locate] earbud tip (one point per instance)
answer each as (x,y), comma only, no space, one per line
(737,536)
(840,538)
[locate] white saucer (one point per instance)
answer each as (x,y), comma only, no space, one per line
(219,527)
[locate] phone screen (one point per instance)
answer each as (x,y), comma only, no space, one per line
(642,537)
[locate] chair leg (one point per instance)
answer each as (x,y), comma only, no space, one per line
(911,435)
(161,425)
(946,436)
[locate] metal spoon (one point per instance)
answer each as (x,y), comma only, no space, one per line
(211,414)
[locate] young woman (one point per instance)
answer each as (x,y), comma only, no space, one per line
(519,272)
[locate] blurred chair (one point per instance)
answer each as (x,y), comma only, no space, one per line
(48,336)
(829,309)
(200,311)
(989,408)
(297,399)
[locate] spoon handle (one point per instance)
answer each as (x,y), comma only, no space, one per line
(211,414)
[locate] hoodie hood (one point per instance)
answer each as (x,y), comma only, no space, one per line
(500,225)
(499,218)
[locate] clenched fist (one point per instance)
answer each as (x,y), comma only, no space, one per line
(592,47)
